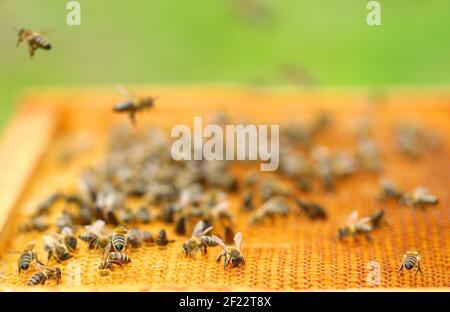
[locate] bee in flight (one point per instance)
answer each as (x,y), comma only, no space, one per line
(46,273)
(231,254)
(411,259)
(134,104)
(199,240)
(26,257)
(34,39)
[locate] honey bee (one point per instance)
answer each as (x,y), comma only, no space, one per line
(411,259)
(27,257)
(419,198)
(247,201)
(55,249)
(36,223)
(136,237)
(69,239)
(94,235)
(354,226)
(47,273)
(276,206)
(199,240)
(34,39)
(119,239)
(114,258)
(312,210)
(231,254)
(134,104)
(162,240)
(143,215)
(388,190)
(45,206)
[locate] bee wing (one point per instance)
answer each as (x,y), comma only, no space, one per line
(353,217)
(48,240)
(198,229)
(205,231)
(67,231)
(96,228)
(238,240)
(122,90)
(106,251)
(365,220)
(219,241)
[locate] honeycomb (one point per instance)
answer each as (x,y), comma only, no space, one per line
(294,253)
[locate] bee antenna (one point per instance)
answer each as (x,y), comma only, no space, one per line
(15,29)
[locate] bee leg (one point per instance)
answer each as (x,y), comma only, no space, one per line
(133,117)
(219,258)
(226,262)
(418,268)
(204,249)
(400,269)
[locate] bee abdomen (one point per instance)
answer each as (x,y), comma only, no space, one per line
(42,42)
(208,241)
(118,257)
(25,260)
(87,237)
(119,242)
(123,107)
(410,262)
(36,279)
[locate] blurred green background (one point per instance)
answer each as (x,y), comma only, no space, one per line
(209,41)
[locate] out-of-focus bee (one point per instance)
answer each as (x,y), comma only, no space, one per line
(409,140)
(199,240)
(388,190)
(125,215)
(247,201)
(69,239)
(34,39)
(114,258)
(271,188)
(162,239)
(119,239)
(251,178)
(143,215)
(231,254)
(37,223)
(94,235)
(312,210)
(344,164)
(276,206)
(134,104)
(26,258)
(47,273)
(45,206)
(411,259)
(368,155)
(364,226)
(55,249)
(324,167)
(419,198)
(136,237)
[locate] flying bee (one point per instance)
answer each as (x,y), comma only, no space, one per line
(55,249)
(114,258)
(312,210)
(231,254)
(411,259)
(34,39)
(94,235)
(119,239)
(162,240)
(419,198)
(27,257)
(134,104)
(199,240)
(354,226)
(47,273)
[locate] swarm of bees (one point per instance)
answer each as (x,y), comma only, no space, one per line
(192,196)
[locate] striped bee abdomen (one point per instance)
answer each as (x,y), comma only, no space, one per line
(410,262)
(119,258)
(208,241)
(36,279)
(123,107)
(25,260)
(42,42)
(118,241)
